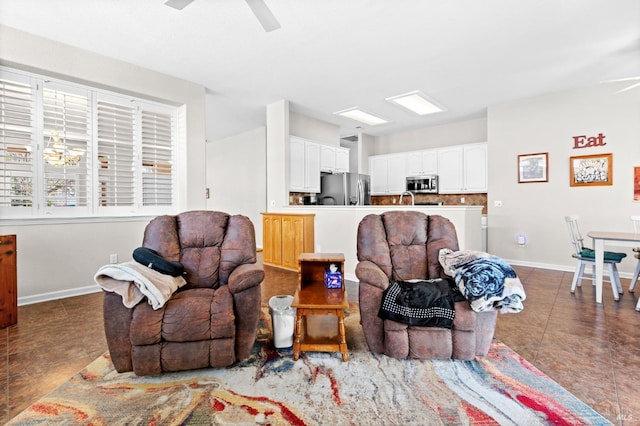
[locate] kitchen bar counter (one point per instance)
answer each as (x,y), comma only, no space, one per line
(336,227)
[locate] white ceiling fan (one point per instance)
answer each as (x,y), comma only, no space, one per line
(633,86)
(258,7)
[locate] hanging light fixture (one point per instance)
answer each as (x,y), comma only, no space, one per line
(57,154)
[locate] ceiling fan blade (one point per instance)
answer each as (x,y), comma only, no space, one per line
(178,4)
(633,86)
(615,80)
(264,15)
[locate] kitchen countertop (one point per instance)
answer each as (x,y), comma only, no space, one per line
(382,206)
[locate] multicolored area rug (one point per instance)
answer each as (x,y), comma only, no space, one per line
(319,389)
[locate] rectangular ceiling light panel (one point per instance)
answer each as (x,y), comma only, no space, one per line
(178,4)
(417,102)
(361,116)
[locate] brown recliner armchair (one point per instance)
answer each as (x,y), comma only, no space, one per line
(404,245)
(209,322)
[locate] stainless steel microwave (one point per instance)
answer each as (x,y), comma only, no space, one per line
(427,184)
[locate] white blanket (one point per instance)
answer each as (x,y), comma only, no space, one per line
(134,281)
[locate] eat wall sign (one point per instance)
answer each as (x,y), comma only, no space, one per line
(584,141)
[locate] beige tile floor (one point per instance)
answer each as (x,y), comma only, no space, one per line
(591,350)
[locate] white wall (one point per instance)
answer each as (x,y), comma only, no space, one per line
(59,258)
(277,155)
(458,133)
(366,148)
(313,129)
(236,170)
(547,124)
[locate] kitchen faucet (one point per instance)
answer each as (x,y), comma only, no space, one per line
(413,199)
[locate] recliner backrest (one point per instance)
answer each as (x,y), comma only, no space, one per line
(405,244)
(210,244)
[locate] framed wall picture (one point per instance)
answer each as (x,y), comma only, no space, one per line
(533,167)
(591,170)
(636,184)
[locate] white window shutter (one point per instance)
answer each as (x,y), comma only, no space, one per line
(157,158)
(17,99)
(115,153)
(70,150)
(66,149)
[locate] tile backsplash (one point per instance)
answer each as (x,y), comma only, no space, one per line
(445,199)
(295,198)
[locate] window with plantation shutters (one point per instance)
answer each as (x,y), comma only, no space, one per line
(69,150)
(157,158)
(17,104)
(116,153)
(66,134)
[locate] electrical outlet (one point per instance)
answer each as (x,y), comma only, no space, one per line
(497,203)
(113,258)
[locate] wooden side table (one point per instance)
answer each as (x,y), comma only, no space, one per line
(319,310)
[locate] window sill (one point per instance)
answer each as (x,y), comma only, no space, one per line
(73,220)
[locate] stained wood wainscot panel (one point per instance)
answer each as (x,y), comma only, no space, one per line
(8,281)
(285,236)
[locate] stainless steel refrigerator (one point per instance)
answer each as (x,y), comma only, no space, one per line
(344,189)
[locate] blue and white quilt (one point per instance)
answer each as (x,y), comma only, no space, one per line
(486,281)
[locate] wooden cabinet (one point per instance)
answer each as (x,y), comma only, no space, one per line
(304,165)
(272,239)
(462,169)
(388,174)
(319,310)
(285,236)
(8,281)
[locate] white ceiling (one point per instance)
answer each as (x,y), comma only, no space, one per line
(330,55)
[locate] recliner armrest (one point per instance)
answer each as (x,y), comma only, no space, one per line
(370,273)
(244,277)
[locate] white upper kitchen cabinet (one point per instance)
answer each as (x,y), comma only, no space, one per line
(420,163)
(312,167)
(342,160)
(475,168)
(388,174)
(304,165)
(462,169)
(334,159)
(296,164)
(327,158)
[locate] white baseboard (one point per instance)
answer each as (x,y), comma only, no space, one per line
(553,267)
(55,295)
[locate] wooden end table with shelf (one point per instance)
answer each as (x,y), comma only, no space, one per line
(319,310)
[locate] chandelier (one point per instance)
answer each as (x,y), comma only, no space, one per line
(57,154)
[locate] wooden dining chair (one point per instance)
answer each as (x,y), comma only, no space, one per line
(586,257)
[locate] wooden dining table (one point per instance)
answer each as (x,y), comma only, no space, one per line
(600,240)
